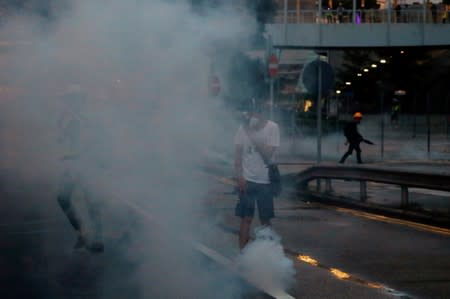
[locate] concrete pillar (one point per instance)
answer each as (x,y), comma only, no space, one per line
(389,11)
(354,12)
(285,10)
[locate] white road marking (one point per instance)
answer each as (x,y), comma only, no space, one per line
(218,258)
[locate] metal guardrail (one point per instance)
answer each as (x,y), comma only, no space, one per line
(403,178)
(409,15)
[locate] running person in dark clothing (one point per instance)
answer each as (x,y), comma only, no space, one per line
(353,138)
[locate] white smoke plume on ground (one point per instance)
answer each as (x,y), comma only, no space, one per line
(263,260)
(144,67)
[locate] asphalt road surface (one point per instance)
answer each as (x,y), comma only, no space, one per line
(337,253)
(343,253)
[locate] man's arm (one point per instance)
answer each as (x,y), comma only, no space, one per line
(238,160)
(266,151)
(240,180)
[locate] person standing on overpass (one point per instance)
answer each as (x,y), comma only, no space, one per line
(340,12)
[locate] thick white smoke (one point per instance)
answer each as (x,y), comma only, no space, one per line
(148,120)
(263,260)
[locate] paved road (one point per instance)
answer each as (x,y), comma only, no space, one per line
(394,258)
(382,259)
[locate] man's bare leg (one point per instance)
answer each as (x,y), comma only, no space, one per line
(244,231)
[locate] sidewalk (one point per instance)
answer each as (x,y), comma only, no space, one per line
(431,206)
(399,143)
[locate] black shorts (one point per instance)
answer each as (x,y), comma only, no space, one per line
(259,194)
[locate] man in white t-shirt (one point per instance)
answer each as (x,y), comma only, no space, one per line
(73,181)
(255,142)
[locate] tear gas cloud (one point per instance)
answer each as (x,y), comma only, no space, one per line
(264,261)
(144,66)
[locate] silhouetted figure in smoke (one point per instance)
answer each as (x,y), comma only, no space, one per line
(395,111)
(353,138)
(255,142)
(340,12)
(398,13)
(73,185)
(433,9)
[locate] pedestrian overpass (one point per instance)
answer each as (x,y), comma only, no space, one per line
(360,29)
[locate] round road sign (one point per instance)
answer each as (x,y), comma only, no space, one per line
(273,65)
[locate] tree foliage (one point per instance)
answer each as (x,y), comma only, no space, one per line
(245,80)
(264,10)
(245,76)
(46,9)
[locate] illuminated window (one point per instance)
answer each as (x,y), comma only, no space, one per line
(307,105)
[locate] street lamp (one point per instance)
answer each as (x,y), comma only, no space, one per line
(373,65)
(366,70)
(348,83)
(359,74)
(383,61)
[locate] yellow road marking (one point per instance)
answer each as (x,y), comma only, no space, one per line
(338,273)
(307,259)
(341,274)
(386,219)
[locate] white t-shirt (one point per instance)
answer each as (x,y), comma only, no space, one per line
(253,166)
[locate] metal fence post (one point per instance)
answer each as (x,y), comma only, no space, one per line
(328,187)
(318,185)
(285,19)
(382,120)
(363,190)
(415,116)
(405,199)
(428,127)
(319,111)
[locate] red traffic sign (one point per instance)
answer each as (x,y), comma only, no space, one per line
(214,85)
(273,65)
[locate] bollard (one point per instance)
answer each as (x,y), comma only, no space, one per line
(363,190)
(404,202)
(318,185)
(328,187)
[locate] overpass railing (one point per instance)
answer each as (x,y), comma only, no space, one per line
(406,15)
(402,178)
